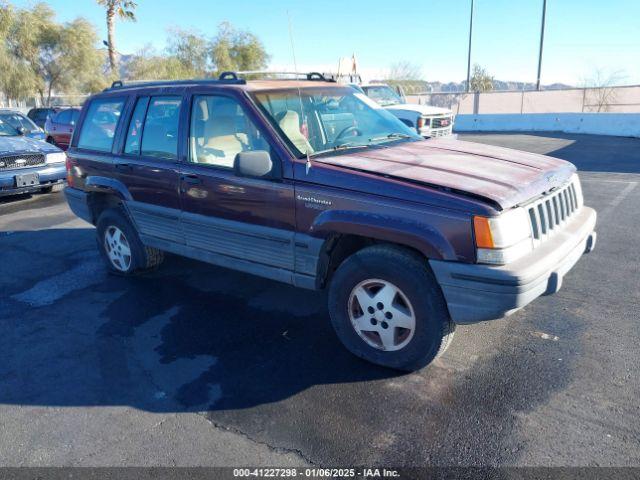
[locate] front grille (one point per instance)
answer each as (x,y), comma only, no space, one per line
(438,122)
(10,162)
(550,213)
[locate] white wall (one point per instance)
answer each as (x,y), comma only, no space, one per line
(616,124)
(575,100)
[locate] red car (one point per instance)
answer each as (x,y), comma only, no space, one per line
(59,127)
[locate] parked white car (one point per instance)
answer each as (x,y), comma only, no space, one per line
(427,120)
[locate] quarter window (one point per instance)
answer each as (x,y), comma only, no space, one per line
(160,133)
(132,147)
(220,130)
(99,126)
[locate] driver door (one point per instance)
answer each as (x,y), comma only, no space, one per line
(246,223)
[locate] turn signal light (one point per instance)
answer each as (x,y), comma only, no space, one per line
(482,231)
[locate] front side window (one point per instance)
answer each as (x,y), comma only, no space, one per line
(220,130)
(160,131)
(99,126)
(319,120)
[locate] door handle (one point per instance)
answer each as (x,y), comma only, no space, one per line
(124,166)
(192,179)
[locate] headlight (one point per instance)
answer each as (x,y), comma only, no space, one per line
(56,157)
(503,239)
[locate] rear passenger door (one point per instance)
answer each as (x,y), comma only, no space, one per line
(249,222)
(148,165)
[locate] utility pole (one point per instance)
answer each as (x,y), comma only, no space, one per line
(544,15)
(469,51)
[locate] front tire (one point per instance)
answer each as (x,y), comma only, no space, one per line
(387,308)
(120,245)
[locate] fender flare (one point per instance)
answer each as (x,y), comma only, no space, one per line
(417,235)
(99,184)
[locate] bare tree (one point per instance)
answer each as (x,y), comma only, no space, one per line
(481,81)
(600,91)
(404,70)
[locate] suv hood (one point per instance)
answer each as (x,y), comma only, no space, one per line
(421,109)
(9,145)
(505,177)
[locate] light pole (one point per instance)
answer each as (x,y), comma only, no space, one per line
(544,15)
(469,51)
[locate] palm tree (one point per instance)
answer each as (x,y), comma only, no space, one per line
(123,9)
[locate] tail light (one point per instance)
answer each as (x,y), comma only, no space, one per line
(69,166)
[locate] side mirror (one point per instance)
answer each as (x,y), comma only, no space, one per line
(255,164)
(22,131)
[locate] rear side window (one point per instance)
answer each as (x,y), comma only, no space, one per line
(99,126)
(63,117)
(160,131)
(134,134)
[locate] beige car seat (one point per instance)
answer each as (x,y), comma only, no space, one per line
(289,122)
(221,142)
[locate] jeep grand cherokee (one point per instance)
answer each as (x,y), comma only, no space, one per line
(313,184)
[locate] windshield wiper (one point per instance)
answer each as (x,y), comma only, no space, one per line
(341,146)
(391,136)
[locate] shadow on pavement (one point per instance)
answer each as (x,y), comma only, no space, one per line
(591,153)
(255,356)
(187,337)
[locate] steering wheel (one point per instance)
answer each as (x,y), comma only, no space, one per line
(344,131)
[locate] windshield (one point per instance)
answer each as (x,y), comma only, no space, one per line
(14,121)
(383,94)
(322,120)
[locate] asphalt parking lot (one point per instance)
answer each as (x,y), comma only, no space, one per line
(197,365)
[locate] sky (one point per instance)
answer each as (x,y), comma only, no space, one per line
(581,36)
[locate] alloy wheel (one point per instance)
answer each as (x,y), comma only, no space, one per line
(381,315)
(117,247)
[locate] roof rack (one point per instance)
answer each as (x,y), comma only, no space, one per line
(223,78)
(311,76)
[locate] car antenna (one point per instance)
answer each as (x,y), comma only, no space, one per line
(295,68)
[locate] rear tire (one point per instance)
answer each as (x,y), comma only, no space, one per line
(120,245)
(387,308)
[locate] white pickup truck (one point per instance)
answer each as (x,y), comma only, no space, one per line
(427,120)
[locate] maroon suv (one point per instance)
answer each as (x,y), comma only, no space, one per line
(311,183)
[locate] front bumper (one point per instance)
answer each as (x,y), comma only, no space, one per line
(48,175)
(475,293)
(428,132)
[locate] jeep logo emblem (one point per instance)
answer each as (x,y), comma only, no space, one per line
(551,178)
